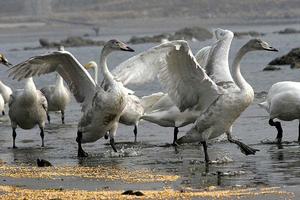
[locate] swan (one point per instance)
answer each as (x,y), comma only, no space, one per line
(27,108)
(2,103)
(219,97)
(5,91)
(101,106)
(164,112)
(229,101)
(58,96)
(134,109)
(283,103)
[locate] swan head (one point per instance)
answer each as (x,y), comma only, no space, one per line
(116,45)
(221,34)
(258,44)
(90,65)
(4,61)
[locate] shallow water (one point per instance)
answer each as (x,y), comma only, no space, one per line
(272,165)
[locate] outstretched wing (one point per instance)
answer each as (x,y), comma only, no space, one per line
(217,66)
(186,82)
(76,76)
(145,66)
(202,56)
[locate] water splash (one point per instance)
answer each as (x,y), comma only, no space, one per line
(123,152)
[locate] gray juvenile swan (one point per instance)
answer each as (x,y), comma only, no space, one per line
(102,106)
(134,108)
(229,100)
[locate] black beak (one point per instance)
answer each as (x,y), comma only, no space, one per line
(127,49)
(271,49)
(6,63)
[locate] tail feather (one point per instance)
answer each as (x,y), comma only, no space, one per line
(264,105)
(149,101)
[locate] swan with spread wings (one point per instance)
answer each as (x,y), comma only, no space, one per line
(101,106)
(219,97)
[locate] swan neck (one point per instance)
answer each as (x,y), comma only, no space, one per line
(30,89)
(96,74)
(59,80)
(103,64)
(237,76)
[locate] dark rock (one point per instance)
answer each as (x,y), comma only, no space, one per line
(271,68)
(248,33)
(44,42)
(43,163)
(292,58)
(295,65)
(288,31)
(138,193)
(260,95)
(185,33)
(198,33)
(74,41)
(128,192)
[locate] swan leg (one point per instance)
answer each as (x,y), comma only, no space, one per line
(112,134)
(3,112)
(299,132)
(48,117)
(135,133)
(106,135)
(62,116)
(42,136)
(14,134)
(81,152)
(204,144)
(175,136)
(279,130)
(245,149)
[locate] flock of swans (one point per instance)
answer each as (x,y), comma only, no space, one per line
(200,90)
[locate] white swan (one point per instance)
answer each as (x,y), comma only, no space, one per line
(58,96)
(220,100)
(27,108)
(102,106)
(2,103)
(283,103)
(5,91)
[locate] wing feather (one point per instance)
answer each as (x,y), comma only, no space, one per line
(145,66)
(76,76)
(186,82)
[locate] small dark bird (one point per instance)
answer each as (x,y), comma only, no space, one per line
(43,163)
